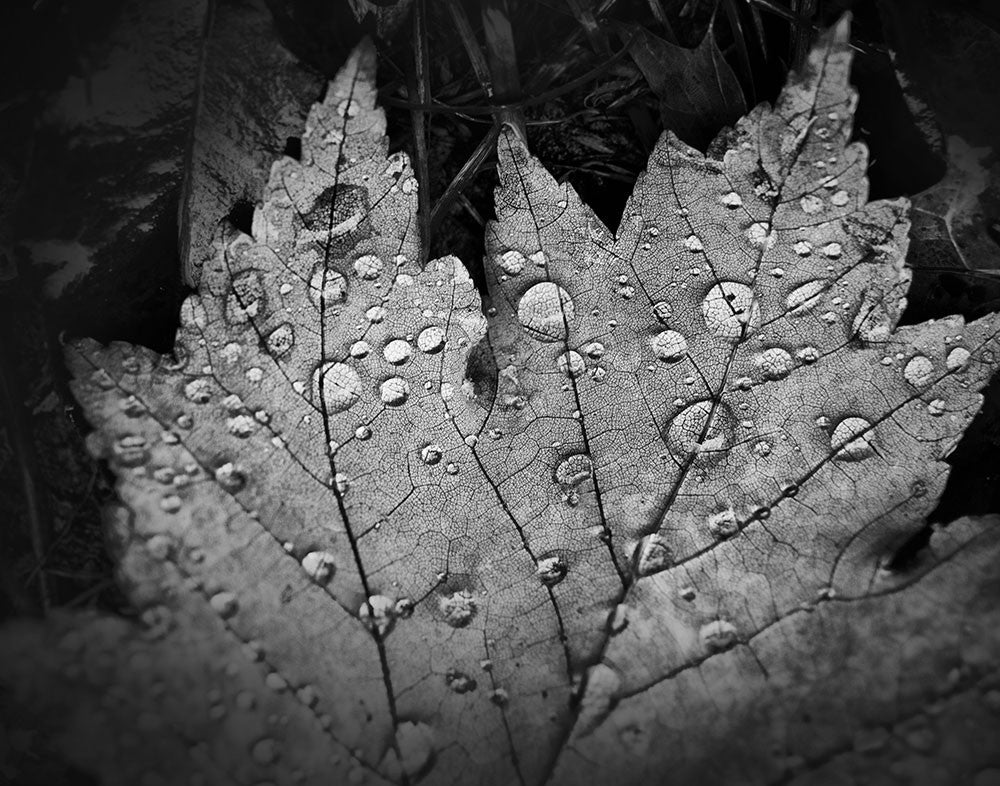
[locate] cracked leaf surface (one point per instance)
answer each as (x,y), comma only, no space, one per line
(393,541)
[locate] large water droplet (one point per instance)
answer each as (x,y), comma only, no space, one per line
(811,204)
(852,439)
(774,363)
(369,267)
(458,609)
(700,431)
(803,298)
(669,346)
(431,339)
(958,358)
(397,351)
(394,391)
(571,363)
(551,569)
(545,310)
(326,286)
(574,470)
(730,310)
(378,614)
(919,371)
(337,385)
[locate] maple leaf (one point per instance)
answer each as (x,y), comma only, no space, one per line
(636,525)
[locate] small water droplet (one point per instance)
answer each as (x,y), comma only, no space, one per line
(774,363)
(571,363)
(840,198)
(803,248)
(397,351)
(761,236)
(327,287)
(717,635)
(551,569)
(731,200)
(225,604)
(394,391)
(230,478)
(131,450)
(731,312)
(669,346)
(803,298)
(701,430)
(170,503)
(852,439)
(414,750)
(545,310)
(958,358)
(431,454)
(832,250)
(360,349)
(319,566)
(511,262)
(458,609)
(811,204)
(458,681)
(368,267)
(337,386)
(376,314)
(198,391)
(500,697)
(693,243)
(241,426)
(653,555)
(808,354)
(936,407)
(762,448)
(574,470)
(723,524)
(264,751)
(662,310)
(378,614)
(919,371)
(431,339)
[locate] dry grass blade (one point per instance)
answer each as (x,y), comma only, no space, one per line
(483,152)
(419,89)
(465,33)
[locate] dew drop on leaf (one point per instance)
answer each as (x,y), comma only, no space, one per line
(458,681)
(511,262)
(730,310)
(368,267)
(131,450)
(662,311)
(958,358)
(414,747)
(431,339)
(198,391)
(337,386)
(653,555)
(669,346)
(723,524)
(224,604)
(319,566)
(378,613)
(545,310)
(170,503)
(360,349)
(230,478)
(394,391)
(397,351)
(851,439)
(551,569)
(717,635)
(571,363)
(430,454)
(574,470)
(458,609)
(918,371)
(936,407)
(281,339)
(774,363)
(700,430)
(803,298)
(264,751)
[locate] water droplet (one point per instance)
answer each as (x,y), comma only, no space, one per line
(803,298)
(230,478)
(669,346)
(762,448)
(360,349)
(731,200)
(840,198)
(653,555)
(545,310)
(958,358)
(852,439)
(723,524)
(808,354)
(574,470)
(458,681)
(397,351)
(431,339)
(803,248)
(936,407)
(337,386)
(594,350)
(511,262)
(159,546)
(919,371)
(662,310)
(394,391)
(184,421)
(327,287)
(811,204)
(198,391)
(551,569)
(693,243)
(369,267)
(225,604)
(458,609)
(699,430)
(131,450)
(376,314)
(717,635)
(730,310)
(832,250)
(170,503)
(264,751)
(241,426)
(281,339)
(500,697)
(378,614)
(319,566)
(571,363)
(414,749)
(539,258)
(774,363)
(761,236)
(431,454)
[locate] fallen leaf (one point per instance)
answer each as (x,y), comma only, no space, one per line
(698,91)
(635,526)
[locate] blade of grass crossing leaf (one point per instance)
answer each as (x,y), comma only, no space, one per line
(456,188)
(503,59)
(740,41)
(420,91)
